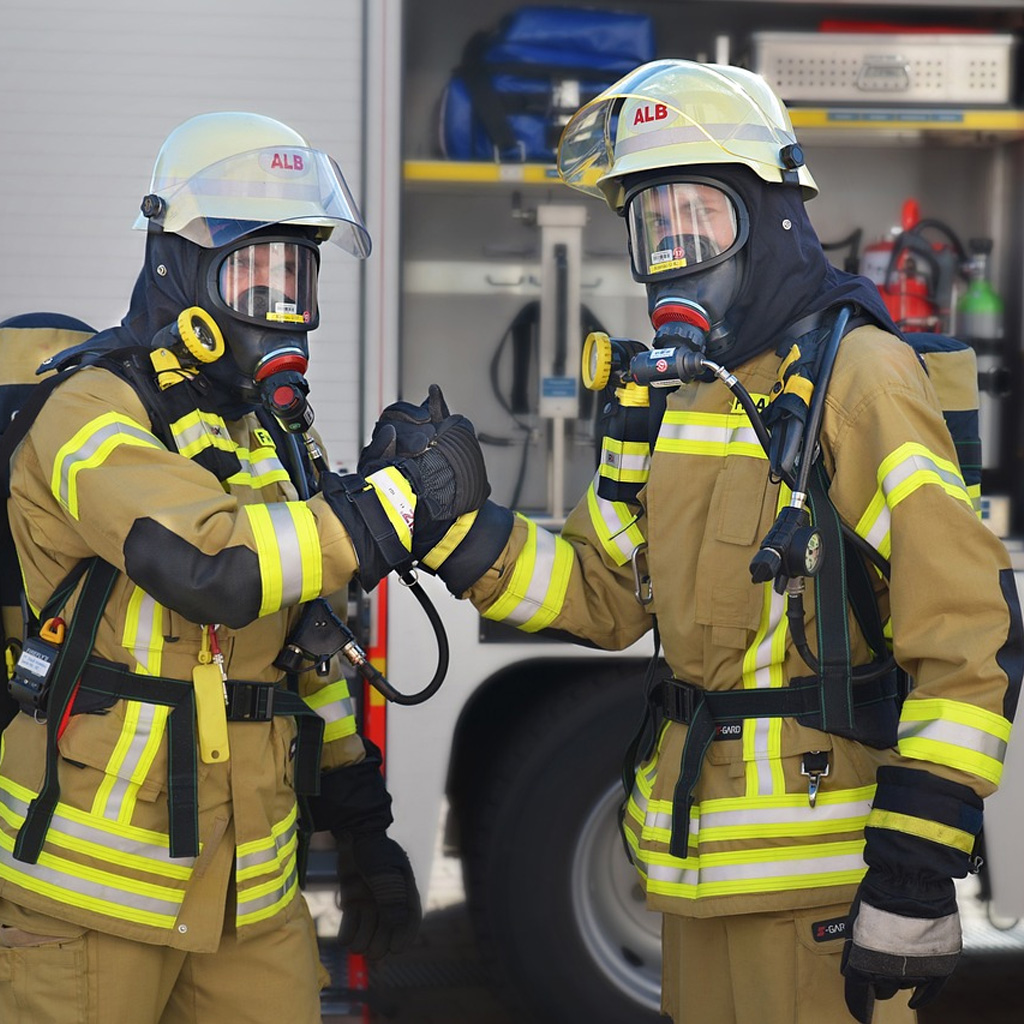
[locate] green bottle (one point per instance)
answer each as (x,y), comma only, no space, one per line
(980,310)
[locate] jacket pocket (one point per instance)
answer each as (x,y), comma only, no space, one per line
(128,743)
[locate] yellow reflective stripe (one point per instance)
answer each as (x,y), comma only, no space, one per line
(740,818)
(196,431)
(707,433)
(456,534)
(737,872)
(101,892)
(97,838)
(934,831)
(955,734)
(89,448)
(763,669)
(397,499)
(538,582)
(78,884)
(974,490)
(131,760)
(615,525)
(909,468)
(273,855)
(260,468)
(334,704)
(625,461)
(288,549)
(144,632)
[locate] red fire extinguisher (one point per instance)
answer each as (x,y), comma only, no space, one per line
(915,275)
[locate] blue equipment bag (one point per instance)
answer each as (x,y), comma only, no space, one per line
(517,86)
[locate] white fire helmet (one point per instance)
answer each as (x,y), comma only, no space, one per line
(675,114)
(221,176)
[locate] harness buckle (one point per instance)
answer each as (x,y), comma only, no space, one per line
(250,702)
(816,767)
(679,700)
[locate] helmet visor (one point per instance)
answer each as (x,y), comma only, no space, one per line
(250,191)
(679,227)
(271,282)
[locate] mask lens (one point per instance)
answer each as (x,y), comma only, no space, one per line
(270,282)
(675,227)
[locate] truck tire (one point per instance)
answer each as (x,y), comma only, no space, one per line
(557,906)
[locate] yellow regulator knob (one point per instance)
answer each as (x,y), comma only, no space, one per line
(597,361)
(200,334)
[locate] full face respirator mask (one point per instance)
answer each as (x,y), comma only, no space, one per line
(686,240)
(262,290)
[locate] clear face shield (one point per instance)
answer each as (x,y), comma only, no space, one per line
(680,227)
(271,282)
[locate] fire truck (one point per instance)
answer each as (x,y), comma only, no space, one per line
(484,277)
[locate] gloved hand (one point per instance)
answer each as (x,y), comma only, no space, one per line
(901,935)
(438,452)
(378,512)
(904,927)
(380,903)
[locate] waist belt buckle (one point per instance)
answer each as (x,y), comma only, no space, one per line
(680,700)
(251,702)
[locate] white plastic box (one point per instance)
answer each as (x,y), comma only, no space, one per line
(965,69)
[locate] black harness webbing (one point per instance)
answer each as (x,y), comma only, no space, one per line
(250,702)
(67,667)
(702,710)
(861,703)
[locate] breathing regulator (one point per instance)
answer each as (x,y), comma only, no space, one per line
(792,550)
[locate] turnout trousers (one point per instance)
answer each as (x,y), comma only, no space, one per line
(767,968)
(61,973)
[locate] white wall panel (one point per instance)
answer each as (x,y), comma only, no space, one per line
(88,91)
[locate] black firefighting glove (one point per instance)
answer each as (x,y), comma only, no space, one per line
(380,903)
(904,926)
(437,451)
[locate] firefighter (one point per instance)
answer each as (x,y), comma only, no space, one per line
(170,532)
(800,839)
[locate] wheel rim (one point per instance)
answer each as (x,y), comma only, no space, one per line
(621,935)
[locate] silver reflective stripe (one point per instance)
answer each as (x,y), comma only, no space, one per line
(917,464)
(120,797)
(706,434)
(111,842)
(96,893)
(89,448)
(536,590)
(267,854)
(336,710)
(207,430)
(900,936)
(289,551)
(944,731)
(802,813)
(799,867)
(264,899)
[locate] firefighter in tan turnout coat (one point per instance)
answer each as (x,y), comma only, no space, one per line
(792,824)
(171,533)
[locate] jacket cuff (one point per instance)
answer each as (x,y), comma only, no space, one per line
(353,799)
(470,547)
(922,826)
